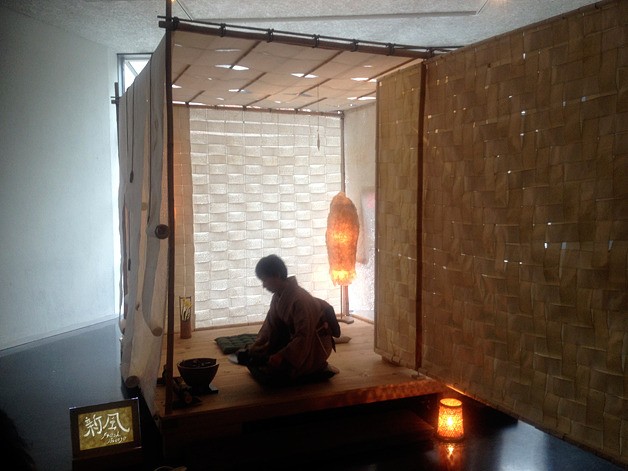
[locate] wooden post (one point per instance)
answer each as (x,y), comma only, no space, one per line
(170,167)
(344,290)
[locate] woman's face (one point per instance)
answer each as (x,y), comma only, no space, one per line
(272,283)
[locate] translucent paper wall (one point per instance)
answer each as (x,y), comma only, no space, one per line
(262,183)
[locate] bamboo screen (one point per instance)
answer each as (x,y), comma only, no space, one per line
(183,210)
(525,224)
(396,322)
(262,183)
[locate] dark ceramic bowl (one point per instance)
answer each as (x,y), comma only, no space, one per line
(198,372)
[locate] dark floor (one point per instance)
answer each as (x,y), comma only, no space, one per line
(42,380)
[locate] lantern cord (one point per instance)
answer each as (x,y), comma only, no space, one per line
(318,118)
(342,155)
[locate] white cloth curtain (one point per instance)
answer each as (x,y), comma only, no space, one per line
(142,208)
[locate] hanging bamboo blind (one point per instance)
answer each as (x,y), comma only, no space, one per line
(183,207)
(396,217)
(525,224)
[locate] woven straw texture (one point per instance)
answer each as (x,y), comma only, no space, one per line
(396,217)
(184,222)
(525,224)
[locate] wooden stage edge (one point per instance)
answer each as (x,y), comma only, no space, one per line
(241,402)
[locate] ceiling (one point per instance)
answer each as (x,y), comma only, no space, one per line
(253,73)
(132,26)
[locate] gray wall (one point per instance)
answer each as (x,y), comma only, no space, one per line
(57,259)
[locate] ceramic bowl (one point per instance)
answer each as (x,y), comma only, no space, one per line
(198,372)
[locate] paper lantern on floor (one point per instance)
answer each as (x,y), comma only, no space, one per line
(450,423)
(341,238)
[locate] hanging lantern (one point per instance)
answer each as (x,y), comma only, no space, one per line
(341,237)
(450,425)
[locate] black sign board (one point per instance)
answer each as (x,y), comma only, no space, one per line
(105,431)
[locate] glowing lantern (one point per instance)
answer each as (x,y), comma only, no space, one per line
(341,238)
(450,425)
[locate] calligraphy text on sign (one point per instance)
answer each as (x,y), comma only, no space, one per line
(105,428)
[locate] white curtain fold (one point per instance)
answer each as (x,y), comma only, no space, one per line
(142,209)
(156,262)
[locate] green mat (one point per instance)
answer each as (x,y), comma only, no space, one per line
(233,343)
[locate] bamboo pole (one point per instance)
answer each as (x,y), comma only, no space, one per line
(170,167)
(419,221)
(296,39)
(344,290)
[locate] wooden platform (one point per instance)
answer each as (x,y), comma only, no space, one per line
(241,402)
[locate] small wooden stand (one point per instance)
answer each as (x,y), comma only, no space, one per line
(186,329)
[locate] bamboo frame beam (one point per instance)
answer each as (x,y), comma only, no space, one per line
(323,42)
(171,222)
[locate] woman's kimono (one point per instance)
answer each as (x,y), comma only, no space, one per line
(297,329)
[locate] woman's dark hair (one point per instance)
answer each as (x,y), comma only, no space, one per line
(271,266)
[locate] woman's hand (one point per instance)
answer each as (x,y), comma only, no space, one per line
(275,361)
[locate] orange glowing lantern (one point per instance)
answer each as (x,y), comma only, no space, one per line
(341,238)
(450,424)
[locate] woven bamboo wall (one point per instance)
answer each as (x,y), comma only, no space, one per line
(525,227)
(261,184)
(184,218)
(396,217)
